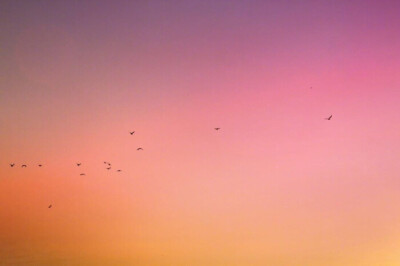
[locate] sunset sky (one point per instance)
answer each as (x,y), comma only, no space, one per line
(276,185)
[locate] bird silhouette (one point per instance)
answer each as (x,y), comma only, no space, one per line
(119,170)
(109,164)
(78,164)
(132,132)
(12,164)
(50,206)
(24,165)
(217,128)
(82,174)
(329,118)
(139,149)
(40,165)
(108,168)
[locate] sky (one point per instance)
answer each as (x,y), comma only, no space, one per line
(276,185)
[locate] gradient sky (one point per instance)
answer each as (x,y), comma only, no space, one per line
(277,185)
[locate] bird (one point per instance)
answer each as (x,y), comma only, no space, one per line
(40,165)
(132,132)
(12,164)
(108,168)
(217,128)
(50,206)
(329,118)
(119,170)
(105,162)
(82,174)
(24,165)
(109,164)
(139,149)
(78,164)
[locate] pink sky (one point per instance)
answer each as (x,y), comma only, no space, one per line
(277,185)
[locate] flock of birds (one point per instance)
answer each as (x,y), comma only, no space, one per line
(138,149)
(77,164)
(108,164)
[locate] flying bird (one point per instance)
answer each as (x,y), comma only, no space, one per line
(329,118)
(50,206)
(40,165)
(109,164)
(12,164)
(78,164)
(108,168)
(119,170)
(217,128)
(132,132)
(139,149)
(24,165)
(82,174)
